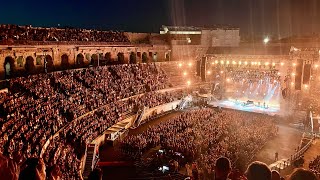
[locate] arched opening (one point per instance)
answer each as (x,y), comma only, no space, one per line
(9,66)
(29,65)
(94,59)
(121,58)
(167,57)
(64,62)
(80,60)
(108,57)
(48,63)
(144,57)
(133,58)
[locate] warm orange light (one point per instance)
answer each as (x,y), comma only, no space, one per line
(282,64)
(293,74)
(180,65)
(184,73)
(209,72)
(294,64)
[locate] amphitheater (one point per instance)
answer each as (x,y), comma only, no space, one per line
(71,96)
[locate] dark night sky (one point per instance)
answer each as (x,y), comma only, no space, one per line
(260,17)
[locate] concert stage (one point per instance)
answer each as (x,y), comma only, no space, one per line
(249,106)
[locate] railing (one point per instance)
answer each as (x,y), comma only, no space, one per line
(288,162)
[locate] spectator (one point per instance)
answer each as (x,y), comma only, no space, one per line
(302,174)
(222,168)
(258,171)
(275,175)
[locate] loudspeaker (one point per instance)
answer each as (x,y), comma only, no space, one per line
(298,76)
(198,67)
(306,73)
(203,68)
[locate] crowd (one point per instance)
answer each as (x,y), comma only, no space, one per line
(253,76)
(204,135)
(28,33)
(315,166)
(38,106)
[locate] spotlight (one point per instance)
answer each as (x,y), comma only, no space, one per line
(228,80)
(278,73)
(306,86)
(184,73)
(294,64)
(240,62)
(316,65)
(216,61)
(282,64)
(190,64)
(209,72)
(221,62)
(273,64)
(188,83)
(267,63)
(212,63)
(293,74)
(221,72)
(227,62)
(292,83)
(266,40)
(180,65)
(245,62)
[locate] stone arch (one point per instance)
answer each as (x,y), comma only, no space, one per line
(48,63)
(29,65)
(121,58)
(107,56)
(39,60)
(80,60)
(64,62)
(133,58)
(144,57)
(9,66)
(94,59)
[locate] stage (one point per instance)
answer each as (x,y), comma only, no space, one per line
(249,106)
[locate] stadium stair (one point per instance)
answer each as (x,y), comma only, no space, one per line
(136,123)
(89,161)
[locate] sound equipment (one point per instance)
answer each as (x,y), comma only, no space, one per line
(306,73)
(203,68)
(298,76)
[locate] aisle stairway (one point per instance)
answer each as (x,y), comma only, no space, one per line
(89,161)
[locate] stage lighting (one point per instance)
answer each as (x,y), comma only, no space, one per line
(216,61)
(294,64)
(279,73)
(188,83)
(240,62)
(245,62)
(252,63)
(221,72)
(293,74)
(233,62)
(282,64)
(266,40)
(267,63)
(227,62)
(212,63)
(184,73)
(292,83)
(180,65)
(316,66)
(273,64)
(190,64)
(228,80)
(306,86)
(221,62)
(259,63)
(209,72)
